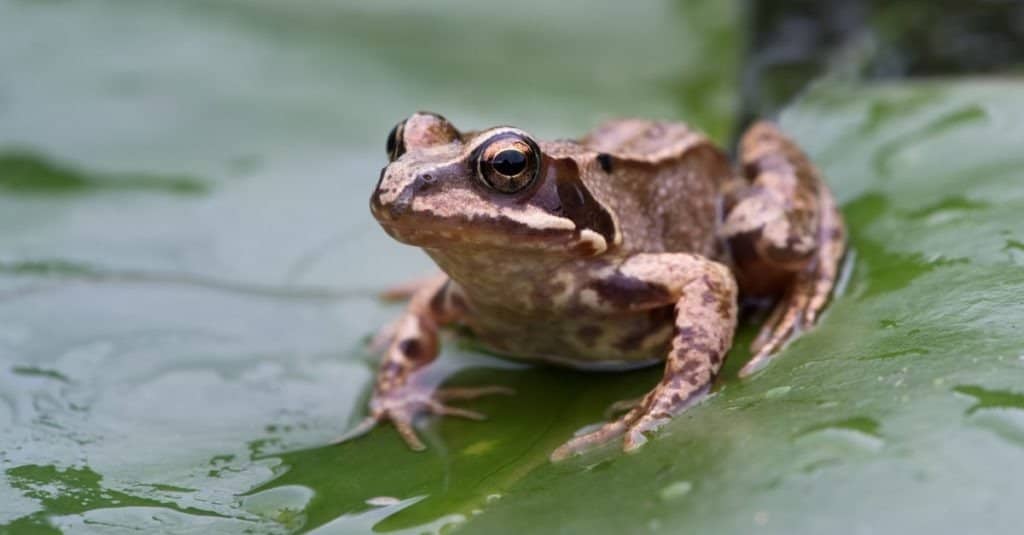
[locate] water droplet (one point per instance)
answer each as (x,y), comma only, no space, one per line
(777,392)
(283,504)
(491,498)
(675,490)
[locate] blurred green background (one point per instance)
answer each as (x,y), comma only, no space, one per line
(188,272)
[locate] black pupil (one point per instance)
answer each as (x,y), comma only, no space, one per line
(509,162)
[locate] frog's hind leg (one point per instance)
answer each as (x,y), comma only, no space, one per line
(786,236)
(705,319)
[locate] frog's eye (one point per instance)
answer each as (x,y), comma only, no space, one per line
(508,163)
(396,146)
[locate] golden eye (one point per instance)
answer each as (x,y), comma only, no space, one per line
(395,145)
(508,163)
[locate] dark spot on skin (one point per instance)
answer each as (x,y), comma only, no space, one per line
(695,378)
(656,319)
(724,309)
(623,291)
(632,341)
(686,334)
(605,160)
(588,334)
(689,366)
(700,348)
(709,297)
(412,349)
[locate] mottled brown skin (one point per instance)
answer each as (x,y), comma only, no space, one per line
(628,247)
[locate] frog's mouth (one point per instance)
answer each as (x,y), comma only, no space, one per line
(459,231)
(454,225)
(497,235)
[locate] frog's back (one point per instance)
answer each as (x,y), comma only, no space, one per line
(662,180)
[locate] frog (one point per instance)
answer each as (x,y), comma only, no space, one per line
(634,245)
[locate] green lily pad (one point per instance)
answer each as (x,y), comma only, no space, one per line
(188,270)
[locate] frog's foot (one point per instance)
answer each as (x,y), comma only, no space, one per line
(654,410)
(801,305)
(791,315)
(402,406)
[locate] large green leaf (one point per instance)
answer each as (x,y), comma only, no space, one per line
(188,269)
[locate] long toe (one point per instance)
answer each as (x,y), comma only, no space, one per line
(588,441)
(472,392)
(403,424)
(359,430)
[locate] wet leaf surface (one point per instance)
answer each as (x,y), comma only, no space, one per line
(188,270)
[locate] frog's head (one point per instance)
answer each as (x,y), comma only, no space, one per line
(496,188)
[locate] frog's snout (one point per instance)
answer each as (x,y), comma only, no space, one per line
(396,191)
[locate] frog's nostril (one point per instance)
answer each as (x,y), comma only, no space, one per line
(423,182)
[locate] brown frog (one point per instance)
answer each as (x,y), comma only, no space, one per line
(628,247)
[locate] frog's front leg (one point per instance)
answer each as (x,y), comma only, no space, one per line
(786,236)
(704,293)
(412,345)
